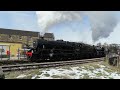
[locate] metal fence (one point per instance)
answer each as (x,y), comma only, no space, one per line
(22,54)
(5,53)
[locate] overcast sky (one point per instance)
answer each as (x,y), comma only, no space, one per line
(80,31)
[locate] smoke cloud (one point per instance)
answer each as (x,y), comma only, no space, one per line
(102,22)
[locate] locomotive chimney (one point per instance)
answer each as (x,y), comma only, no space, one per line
(42,37)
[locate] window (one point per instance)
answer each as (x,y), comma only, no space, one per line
(2,50)
(20,37)
(10,37)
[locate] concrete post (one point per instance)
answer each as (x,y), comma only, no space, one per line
(18,54)
(9,52)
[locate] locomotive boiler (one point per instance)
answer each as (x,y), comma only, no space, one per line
(63,50)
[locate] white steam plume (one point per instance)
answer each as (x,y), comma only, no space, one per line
(102,22)
(47,19)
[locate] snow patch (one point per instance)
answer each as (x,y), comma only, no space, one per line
(34,77)
(82,72)
(21,76)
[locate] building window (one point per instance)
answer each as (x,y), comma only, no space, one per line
(2,50)
(20,37)
(10,36)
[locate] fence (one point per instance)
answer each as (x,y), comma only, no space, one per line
(6,53)
(22,54)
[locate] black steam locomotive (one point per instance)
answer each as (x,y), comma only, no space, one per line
(63,50)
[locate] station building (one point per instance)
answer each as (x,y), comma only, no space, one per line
(16,39)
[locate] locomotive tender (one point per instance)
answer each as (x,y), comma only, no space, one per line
(63,50)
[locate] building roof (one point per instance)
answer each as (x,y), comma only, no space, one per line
(48,35)
(18,32)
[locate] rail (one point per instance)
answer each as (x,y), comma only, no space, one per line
(7,68)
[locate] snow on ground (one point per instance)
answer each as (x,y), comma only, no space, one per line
(76,72)
(21,76)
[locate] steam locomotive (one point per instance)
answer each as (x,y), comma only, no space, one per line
(63,50)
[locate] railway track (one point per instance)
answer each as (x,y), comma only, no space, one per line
(8,68)
(13,62)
